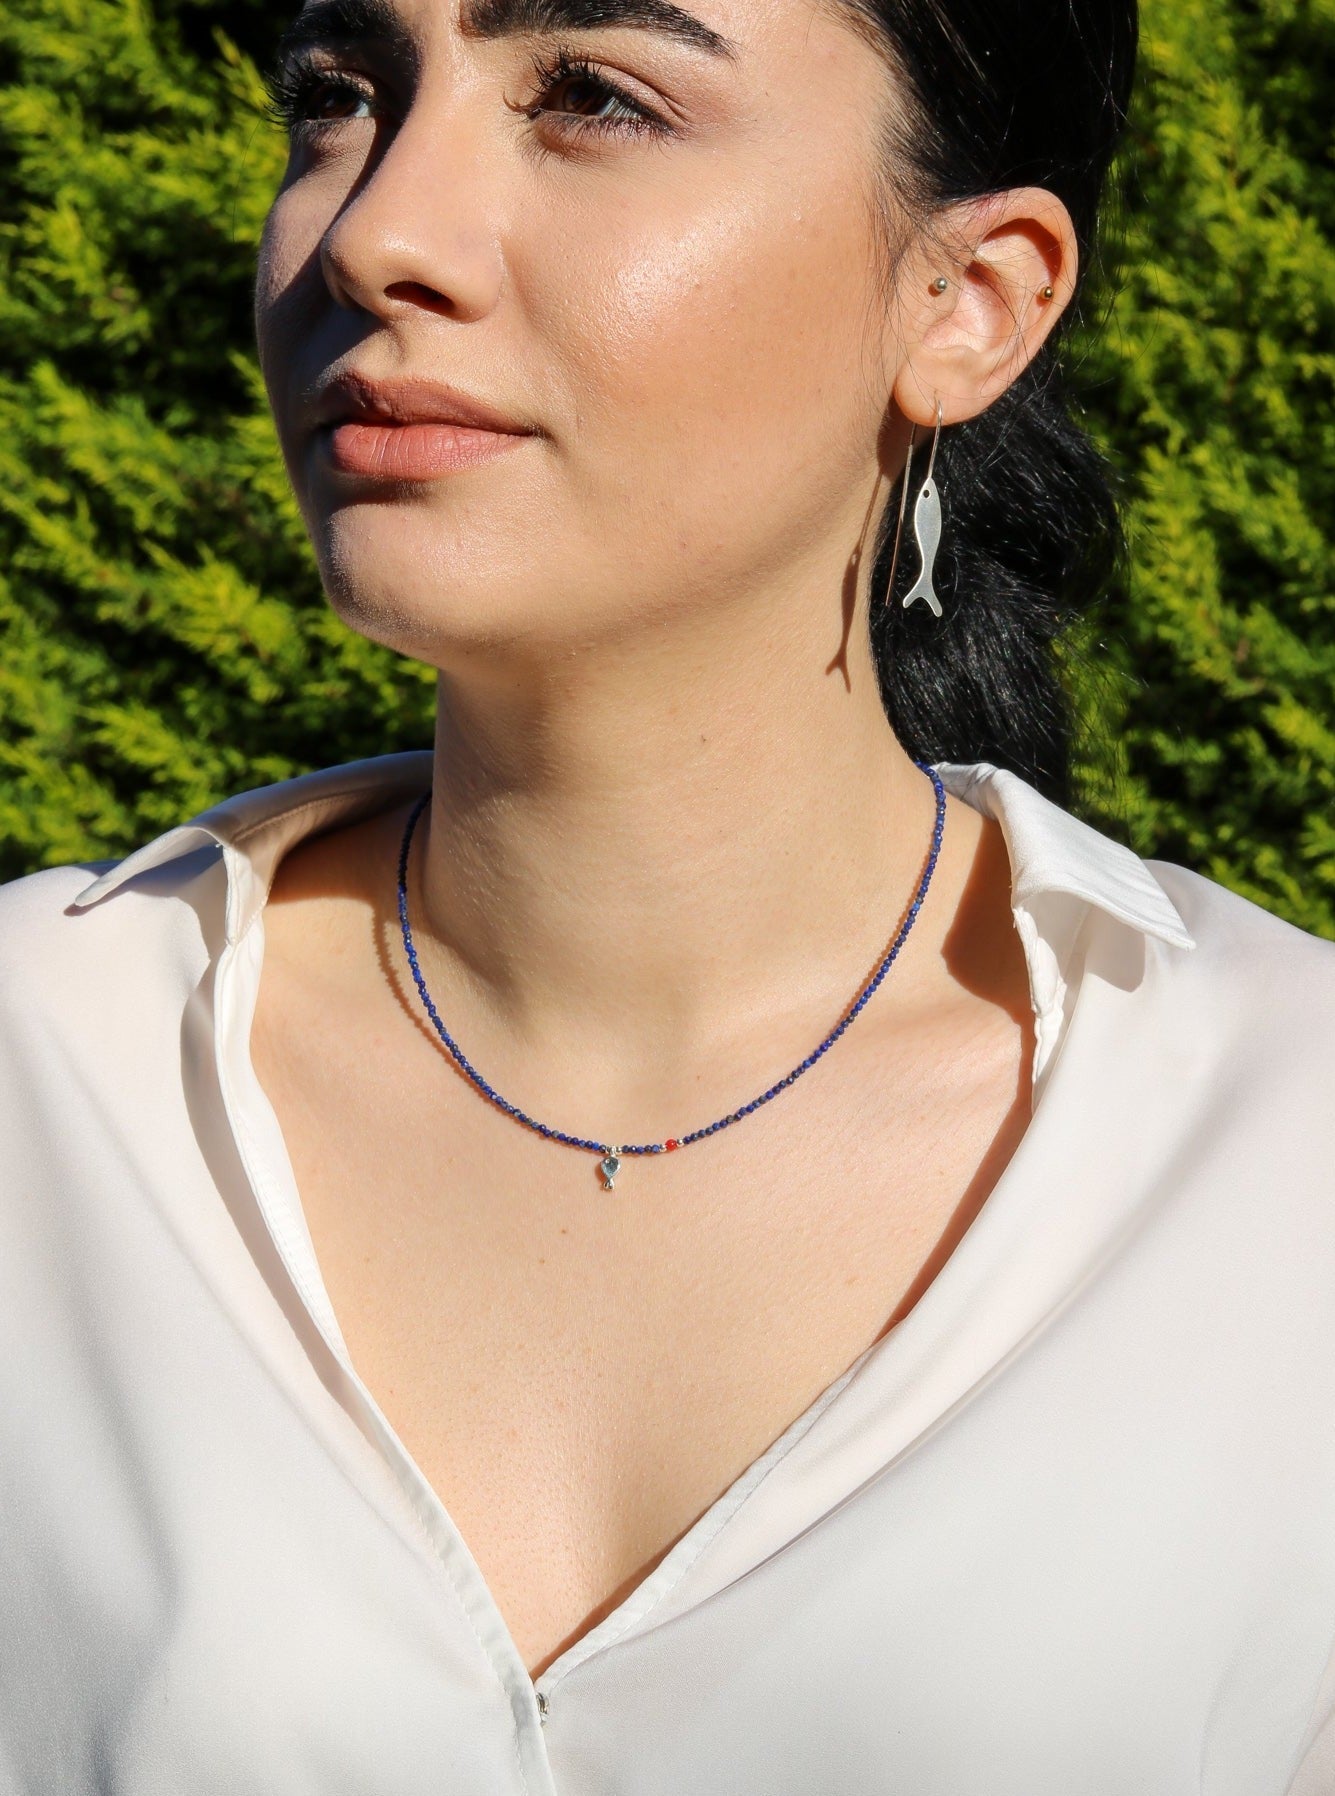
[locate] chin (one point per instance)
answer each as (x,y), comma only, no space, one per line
(438,603)
(452,619)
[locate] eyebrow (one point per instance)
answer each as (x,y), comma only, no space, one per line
(340,21)
(502,18)
(345,21)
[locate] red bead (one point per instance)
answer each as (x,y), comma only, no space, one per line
(669,1145)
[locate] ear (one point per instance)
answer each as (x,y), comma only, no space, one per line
(964,346)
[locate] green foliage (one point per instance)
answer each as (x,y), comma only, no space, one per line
(163,640)
(1212,383)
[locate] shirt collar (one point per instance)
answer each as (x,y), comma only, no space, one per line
(255,829)
(1051,852)
(1060,869)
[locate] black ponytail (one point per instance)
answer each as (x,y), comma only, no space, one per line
(1004,93)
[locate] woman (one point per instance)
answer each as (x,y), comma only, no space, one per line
(812,1273)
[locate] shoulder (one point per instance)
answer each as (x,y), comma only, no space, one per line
(1221,1052)
(112,933)
(62,957)
(46,904)
(29,905)
(37,915)
(1247,963)
(1195,962)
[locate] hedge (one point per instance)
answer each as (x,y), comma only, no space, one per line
(163,639)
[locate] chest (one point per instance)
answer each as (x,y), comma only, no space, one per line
(579,1373)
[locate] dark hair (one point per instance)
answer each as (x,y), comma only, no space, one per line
(998,94)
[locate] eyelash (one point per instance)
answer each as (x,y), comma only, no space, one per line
(293,85)
(564,64)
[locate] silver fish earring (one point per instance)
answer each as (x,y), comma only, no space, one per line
(926,524)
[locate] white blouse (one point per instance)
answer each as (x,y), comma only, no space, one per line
(1068,1529)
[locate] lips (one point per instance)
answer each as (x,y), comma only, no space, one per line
(409,430)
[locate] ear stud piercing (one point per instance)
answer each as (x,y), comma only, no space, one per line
(940,284)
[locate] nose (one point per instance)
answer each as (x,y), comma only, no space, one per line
(415,235)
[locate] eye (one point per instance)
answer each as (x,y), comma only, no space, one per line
(573,93)
(305,96)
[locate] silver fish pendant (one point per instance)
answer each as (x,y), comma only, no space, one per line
(927,530)
(610,1166)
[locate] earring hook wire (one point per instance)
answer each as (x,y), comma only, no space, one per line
(936,438)
(903,507)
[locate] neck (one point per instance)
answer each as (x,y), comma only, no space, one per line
(646,851)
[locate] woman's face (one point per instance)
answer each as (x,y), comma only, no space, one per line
(640,244)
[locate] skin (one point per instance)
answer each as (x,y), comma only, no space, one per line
(671,831)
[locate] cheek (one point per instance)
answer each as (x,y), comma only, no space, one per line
(276,265)
(290,300)
(290,295)
(728,355)
(280,324)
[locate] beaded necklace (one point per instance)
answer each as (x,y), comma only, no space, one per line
(609,1164)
